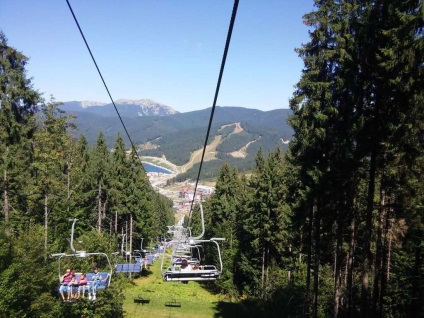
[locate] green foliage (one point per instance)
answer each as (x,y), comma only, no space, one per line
(222,222)
(18,102)
(151,128)
(236,141)
(27,275)
(350,118)
(333,227)
(178,146)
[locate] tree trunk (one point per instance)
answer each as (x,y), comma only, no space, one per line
(378,271)
(338,267)
(389,246)
(367,237)
(317,259)
(46,222)
(126,240)
(309,260)
(289,276)
(386,252)
(6,197)
(131,232)
(263,271)
(349,283)
(99,209)
(116,222)
(68,196)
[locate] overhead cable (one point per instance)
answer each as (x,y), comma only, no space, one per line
(104,83)
(221,72)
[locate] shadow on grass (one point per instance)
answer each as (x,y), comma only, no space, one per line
(254,308)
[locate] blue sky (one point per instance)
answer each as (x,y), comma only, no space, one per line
(169,51)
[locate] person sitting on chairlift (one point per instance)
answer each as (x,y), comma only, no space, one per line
(92,289)
(82,285)
(185,266)
(196,266)
(64,288)
(73,287)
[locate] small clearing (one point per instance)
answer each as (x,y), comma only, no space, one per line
(237,128)
(148,145)
(196,156)
(242,152)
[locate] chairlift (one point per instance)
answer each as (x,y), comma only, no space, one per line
(193,271)
(106,276)
(187,253)
(130,267)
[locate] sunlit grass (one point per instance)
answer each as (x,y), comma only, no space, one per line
(195,300)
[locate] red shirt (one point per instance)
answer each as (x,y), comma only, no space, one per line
(67,278)
(82,280)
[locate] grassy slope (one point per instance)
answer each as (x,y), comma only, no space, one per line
(210,154)
(195,300)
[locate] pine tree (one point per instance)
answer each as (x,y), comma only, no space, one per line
(118,183)
(51,142)
(354,108)
(18,102)
(79,178)
(99,167)
(142,201)
(223,210)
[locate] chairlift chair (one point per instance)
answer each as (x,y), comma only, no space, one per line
(128,267)
(106,276)
(194,271)
(183,243)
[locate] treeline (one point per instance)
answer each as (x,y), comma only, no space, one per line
(252,137)
(235,142)
(178,146)
(335,226)
(49,177)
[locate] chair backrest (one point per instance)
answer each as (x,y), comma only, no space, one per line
(103,283)
(128,268)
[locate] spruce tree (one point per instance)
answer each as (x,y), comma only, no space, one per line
(18,102)
(119,169)
(223,210)
(99,167)
(354,109)
(51,143)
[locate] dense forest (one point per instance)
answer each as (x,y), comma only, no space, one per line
(49,177)
(143,129)
(333,226)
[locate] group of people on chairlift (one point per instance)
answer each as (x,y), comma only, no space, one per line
(185,266)
(74,289)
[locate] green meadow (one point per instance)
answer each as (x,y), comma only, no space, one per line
(169,299)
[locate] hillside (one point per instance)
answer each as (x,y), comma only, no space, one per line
(126,107)
(177,137)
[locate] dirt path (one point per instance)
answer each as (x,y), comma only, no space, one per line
(242,152)
(237,128)
(196,156)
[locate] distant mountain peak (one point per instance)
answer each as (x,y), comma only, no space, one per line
(126,107)
(89,103)
(147,106)
(144,101)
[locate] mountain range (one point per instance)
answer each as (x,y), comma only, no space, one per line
(127,108)
(157,130)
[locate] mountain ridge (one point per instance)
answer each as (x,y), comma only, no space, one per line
(243,132)
(126,107)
